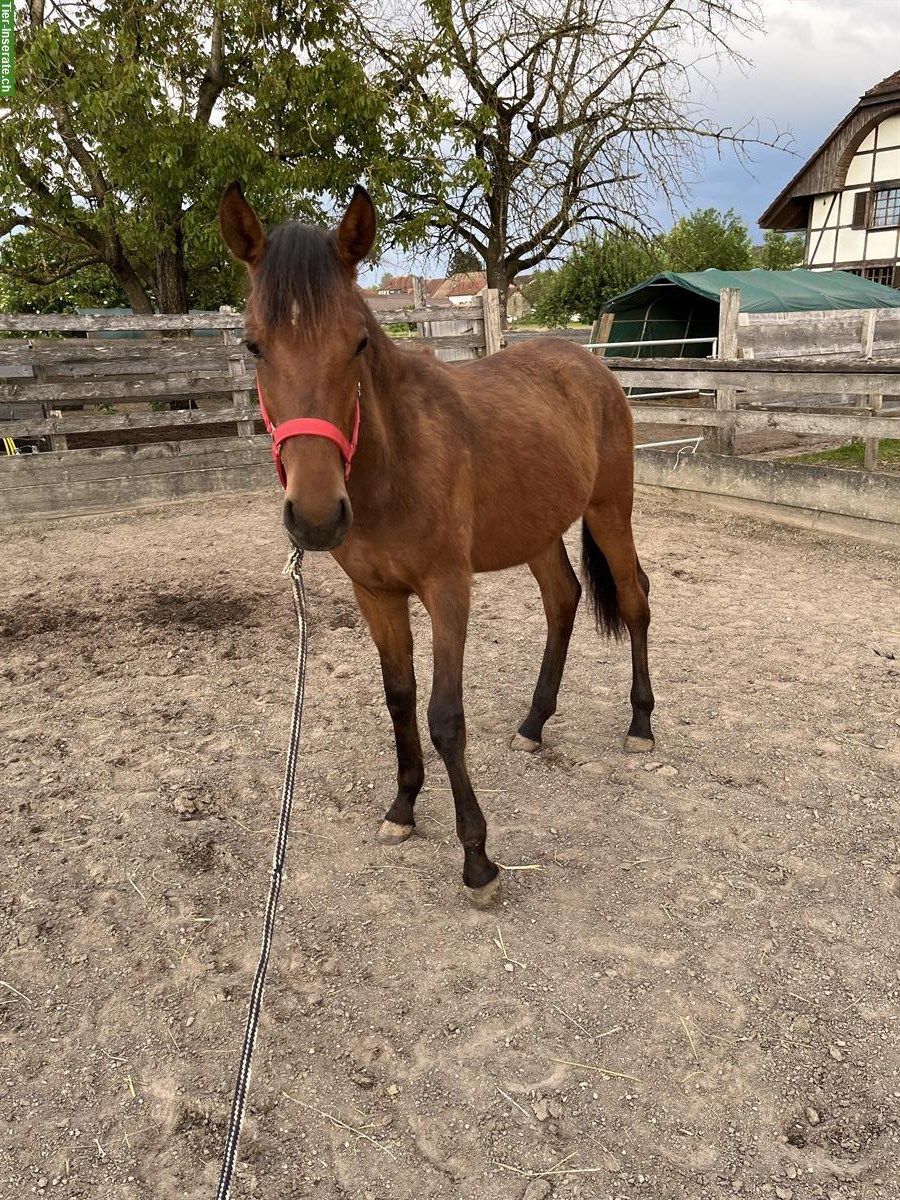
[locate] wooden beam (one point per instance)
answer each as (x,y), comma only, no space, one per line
(52,352)
(844,425)
(806,365)
(721,440)
(242,397)
(65,323)
(870,456)
(96,422)
(77,391)
(155,323)
(867,335)
(493,330)
(512,336)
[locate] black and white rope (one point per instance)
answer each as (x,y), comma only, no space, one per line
(238,1103)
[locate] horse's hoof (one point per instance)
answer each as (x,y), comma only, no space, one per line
(392,834)
(638,745)
(519,742)
(487,896)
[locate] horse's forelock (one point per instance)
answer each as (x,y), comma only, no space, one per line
(300,278)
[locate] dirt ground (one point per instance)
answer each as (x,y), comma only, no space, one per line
(693,992)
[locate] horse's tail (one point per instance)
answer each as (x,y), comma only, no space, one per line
(601,586)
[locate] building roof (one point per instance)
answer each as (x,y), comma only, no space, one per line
(825,170)
(403,285)
(467,283)
(891,84)
(766,291)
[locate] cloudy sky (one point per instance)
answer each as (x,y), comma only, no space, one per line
(809,67)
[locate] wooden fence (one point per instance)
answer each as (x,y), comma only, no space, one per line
(866,333)
(194,364)
(119,391)
(839,365)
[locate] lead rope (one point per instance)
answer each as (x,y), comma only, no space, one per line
(238,1103)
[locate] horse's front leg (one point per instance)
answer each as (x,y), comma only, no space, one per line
(447,601)
(387,614)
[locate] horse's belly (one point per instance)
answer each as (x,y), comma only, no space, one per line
(516,523)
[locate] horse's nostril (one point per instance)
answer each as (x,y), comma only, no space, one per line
(345,513)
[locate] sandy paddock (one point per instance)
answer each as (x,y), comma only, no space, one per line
(715,926)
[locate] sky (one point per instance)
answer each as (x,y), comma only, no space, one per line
(811,64)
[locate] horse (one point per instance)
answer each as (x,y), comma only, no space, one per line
(457,468)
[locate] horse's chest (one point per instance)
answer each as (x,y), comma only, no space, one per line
(372,566)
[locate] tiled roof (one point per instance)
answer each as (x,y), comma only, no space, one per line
(891,84)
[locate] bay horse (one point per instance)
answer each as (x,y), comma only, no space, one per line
(460,468)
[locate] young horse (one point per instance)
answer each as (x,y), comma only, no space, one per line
(460,468)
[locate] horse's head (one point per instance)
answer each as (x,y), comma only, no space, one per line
(305,324)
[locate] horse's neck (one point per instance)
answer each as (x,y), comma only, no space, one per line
(385,421)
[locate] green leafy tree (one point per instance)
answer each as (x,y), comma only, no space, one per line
(40,275)
(463,261)
(708,238)
(594,273)
(780,251)
(129,119)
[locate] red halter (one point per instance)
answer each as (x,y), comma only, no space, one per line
(310,427)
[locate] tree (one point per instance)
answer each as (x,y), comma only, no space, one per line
(40,276)
(594,273)
(130,118)
(708,238)
(561,116)
(463,261)
(780,251)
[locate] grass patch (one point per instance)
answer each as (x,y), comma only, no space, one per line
(852,455)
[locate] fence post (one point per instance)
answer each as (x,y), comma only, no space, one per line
(58,440)
(867,341)
(870,461)
(490,301)
(721,439)
(240,397)
(420,300)
(602,329)
(873,402)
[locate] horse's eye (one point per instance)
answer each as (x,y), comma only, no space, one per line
(362,345)
(254,349)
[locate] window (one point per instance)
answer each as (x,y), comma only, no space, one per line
(886,209)
(861,210)
(885,274)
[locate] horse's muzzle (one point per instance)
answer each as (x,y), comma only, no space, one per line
(324,536)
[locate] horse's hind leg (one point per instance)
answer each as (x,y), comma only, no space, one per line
(630,588)
(387,614)
(560,592)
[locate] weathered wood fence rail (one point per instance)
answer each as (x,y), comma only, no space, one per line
(746,379)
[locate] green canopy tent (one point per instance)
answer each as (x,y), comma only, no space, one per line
(677,307)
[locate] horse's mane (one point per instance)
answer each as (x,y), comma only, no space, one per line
(299,277)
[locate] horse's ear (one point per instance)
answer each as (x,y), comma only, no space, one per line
(241,230)
(356,232)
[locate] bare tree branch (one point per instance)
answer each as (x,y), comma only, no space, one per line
(567,114)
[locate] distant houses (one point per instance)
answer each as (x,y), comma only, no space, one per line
(396,291)
(846,198)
